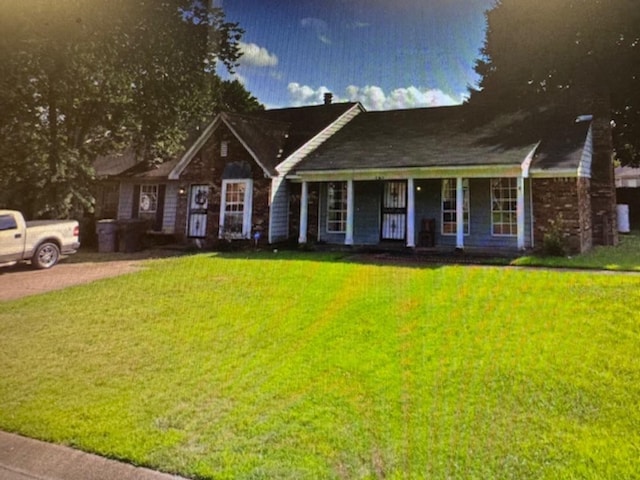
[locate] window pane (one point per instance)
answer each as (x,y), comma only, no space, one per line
(449,206)
(337,207)
(504,192)
(234,208)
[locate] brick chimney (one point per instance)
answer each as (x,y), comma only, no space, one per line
(603,192)
(328,98)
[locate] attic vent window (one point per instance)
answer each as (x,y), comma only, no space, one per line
(224,148)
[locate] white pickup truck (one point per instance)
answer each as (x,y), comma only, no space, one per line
(41,241)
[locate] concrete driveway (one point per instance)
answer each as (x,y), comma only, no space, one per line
(83,267)
(21,281)
(26,459)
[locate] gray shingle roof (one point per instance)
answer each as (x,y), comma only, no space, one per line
(444,137)
(115,164)
(305,122)
(561,146)
(143,171)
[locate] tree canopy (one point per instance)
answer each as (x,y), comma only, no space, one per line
(84,78)
(562,51)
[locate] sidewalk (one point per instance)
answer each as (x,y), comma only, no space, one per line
(25,459)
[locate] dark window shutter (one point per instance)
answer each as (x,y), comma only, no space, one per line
(135,205)
(160,208)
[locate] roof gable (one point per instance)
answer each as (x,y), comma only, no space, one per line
(269,136)
(263,139)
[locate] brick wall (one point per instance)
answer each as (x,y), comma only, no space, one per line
(562,205)
(603,192)
(207,167)
(583,186)
(590,99)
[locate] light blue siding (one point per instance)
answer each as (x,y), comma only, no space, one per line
(125,203)
(170,208)
(480,228)
(279,215)
(367,218)
(366,222)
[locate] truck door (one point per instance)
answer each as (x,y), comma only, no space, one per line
(11,239)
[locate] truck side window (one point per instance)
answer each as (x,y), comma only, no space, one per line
(7,222)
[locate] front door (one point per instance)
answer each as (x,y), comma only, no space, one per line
(198,209)
(394,211)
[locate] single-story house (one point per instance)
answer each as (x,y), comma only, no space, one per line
(421,178)
(230,183)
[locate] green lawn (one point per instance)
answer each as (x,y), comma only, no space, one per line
(624,256)
(306,366)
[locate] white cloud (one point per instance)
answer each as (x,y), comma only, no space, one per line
(256,56)
(305,95)
(373,97)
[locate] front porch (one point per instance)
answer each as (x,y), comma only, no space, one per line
(423,214)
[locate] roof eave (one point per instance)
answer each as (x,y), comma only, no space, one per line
(554,173)
(467,171)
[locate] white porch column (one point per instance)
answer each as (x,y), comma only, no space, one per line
(411,214)
(459,214)
(520,213)
(304,213)
(348,238)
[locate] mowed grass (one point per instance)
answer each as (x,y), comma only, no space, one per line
(623,257)
(305,366)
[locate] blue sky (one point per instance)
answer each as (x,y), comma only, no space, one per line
(384,53)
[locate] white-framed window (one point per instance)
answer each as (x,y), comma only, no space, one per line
(235,208)
(337,207)
(224,148)
(449,206)
(148,199)
(504,205)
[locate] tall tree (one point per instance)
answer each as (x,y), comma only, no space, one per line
(83,78)
(566,49)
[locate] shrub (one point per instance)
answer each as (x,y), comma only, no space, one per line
(553,242)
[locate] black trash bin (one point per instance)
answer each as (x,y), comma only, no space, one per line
(107,231)
(131,234)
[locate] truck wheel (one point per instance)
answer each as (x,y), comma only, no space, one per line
(46,256)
